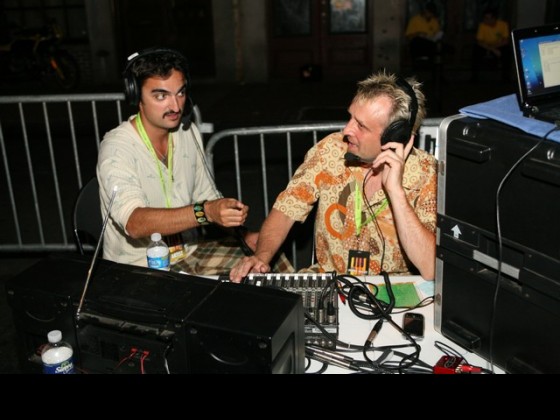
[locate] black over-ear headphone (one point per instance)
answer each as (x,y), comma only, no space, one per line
(401,130)
(132,88)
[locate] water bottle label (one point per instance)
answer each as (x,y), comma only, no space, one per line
(62,368)
(160,263)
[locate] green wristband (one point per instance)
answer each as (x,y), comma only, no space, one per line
(199,213)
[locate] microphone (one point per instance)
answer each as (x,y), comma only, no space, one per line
(352,158)
(115,188)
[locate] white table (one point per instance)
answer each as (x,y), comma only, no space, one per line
(355,330)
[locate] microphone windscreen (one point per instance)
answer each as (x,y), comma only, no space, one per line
(351,157)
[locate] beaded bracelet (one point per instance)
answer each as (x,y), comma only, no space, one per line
(199,213)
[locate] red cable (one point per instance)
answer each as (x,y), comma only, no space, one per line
(144,356)
(470,369)
(133,351)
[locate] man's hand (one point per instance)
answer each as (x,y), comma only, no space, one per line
(392,160)
(227,212)
(248,265)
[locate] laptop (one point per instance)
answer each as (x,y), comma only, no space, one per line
(537,63)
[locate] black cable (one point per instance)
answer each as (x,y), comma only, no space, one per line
(323,369)
(332,357)
(238,232)
(347,347)
(372,214)
(419,362)
(359,295)
(380,311)
(372,366)
(412,358)
(500,242)
(447,350)
(338,286)
(392,366)
(427,301)
(329,336)
(422,304)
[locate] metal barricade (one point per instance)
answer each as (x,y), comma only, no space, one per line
(49,146)
(255,164)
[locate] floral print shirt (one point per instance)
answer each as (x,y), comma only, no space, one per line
(325,178)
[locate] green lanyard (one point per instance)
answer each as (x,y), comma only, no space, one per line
(358,209)
(148,143)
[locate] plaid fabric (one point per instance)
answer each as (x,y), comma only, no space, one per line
(217,257)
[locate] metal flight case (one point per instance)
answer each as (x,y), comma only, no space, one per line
(516,325)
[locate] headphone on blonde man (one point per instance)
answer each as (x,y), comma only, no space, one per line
(401,129)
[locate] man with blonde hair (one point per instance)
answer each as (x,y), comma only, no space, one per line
(375,192)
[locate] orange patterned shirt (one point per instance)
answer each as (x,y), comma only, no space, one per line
(325,179)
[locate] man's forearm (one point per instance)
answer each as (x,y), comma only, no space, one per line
(418,243)
(272,235)
(145,221)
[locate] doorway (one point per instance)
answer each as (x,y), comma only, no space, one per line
(320,39)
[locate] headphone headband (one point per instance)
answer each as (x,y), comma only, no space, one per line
(401,129)
(413,107)
(132,87)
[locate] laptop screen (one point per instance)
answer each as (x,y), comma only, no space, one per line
(537,62)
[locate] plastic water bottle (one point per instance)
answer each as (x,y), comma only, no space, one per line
(158,253)
(57,355)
